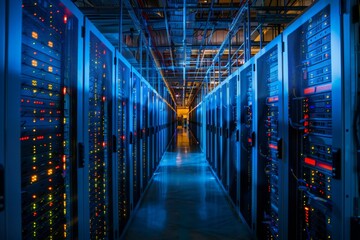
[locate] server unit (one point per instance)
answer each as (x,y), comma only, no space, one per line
(234,130)
(122,136)
(270,195)
(144,131)
(50,39)
(246,137)
(224,132)
(99,73)
(315,122)
(135,135)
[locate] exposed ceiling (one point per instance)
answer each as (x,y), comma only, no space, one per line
(191,45)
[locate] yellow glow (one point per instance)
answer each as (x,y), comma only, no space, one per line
(50,69)
(33,178)
(50,172)
(34,63)
(50,44)
(34,35)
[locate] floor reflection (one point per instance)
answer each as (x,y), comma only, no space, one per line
(184,200)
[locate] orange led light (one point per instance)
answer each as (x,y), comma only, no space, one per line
(34,63)
(34,35)
(50,44)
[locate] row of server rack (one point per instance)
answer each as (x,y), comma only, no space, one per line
(281,133)
(82,132)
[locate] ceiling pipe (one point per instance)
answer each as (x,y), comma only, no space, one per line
(168,34)
(233,28)
(146,41)
(204,34)
(184,46)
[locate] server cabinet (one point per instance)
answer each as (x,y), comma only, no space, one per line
(49,76)
(313,87)
(136,163)
(213,131)
(122,114)
(10,162)
(271,198)
(208,127)
(247,142)
(224,161)
(99,55)
(152,143)
(218,166)
(145,124)
(234,128)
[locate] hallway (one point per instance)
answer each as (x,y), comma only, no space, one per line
(185,201)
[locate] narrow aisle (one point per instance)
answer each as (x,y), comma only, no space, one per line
(185,201)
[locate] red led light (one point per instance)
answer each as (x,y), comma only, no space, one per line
(52,104)
(325,166)
(64,90)
(273,99)
(309,90)
(272,146)
(249,140)
(65,19)
(103,144)
(40,137)
(323,88)
(103,98)
(24,138)
(310,161)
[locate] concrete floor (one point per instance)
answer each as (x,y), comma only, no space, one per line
(185,201)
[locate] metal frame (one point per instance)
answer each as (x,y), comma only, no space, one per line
(10,159)
(350,62)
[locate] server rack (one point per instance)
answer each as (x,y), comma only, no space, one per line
(206,102)
(223,91)
(314,89)
(234,130)
(217,118)
(151,132)
(122,136)
(99,73)
(271,209)
(136,151)
(144,137)
(213,130)
(247,168)
(50,37)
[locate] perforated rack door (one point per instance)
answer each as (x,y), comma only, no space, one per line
(122,135)
(99,80)
(50,37)
(270,176)
(246,129)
